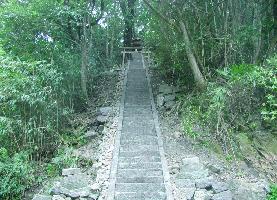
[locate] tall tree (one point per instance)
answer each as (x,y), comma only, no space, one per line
(128,11)
(180,26)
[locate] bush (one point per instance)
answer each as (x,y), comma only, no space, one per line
(16,175)
(243,98)
(30,111)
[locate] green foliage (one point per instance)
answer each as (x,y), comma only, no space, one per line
(242,99)
(29,107)
(16,175)
(273,193)
(63,159)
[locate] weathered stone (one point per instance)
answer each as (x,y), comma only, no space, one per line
(42,197)
(204,183)
(58,197)
(219,187)
(73,186)
(225,195)
(90,134)
(169,104)
(160,100)
(95,187)
(185,183)
(170,97)
(102,119)
(192,174)
(185,193)
(71,171)
(191,163)
(249,191)
(165,89)
(202,195)
(105,111)
(214,168)
(94,196)
(192,169)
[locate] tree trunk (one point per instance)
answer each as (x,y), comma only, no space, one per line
(128,11)
(198,77)
(84,56)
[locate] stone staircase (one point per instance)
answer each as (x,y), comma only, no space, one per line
(139,165)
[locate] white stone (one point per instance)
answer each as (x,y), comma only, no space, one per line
(160,100)
(71,171)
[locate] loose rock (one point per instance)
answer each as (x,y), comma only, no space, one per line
(219,187)
(71,171)
(105,111)
(226,195)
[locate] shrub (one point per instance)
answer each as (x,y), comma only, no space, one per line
(16,175)
(30,111)
(241,99)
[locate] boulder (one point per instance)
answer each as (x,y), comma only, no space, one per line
(73,186)
(192,169)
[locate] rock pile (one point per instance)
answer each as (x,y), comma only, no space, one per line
(194,183)
(167,96)
(73,185)
(104,116)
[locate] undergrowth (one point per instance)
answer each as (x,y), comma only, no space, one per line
(241,100)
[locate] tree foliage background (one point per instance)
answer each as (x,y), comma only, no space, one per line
(221,52)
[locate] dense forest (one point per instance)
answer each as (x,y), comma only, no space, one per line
(221,53)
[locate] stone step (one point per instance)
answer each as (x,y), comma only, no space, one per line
(130,147)
(140,118)
(139,187)
(130,103)
(138,153)
(139,141)
(149,179)
(140,159)
(139,127)
(136,173)
(136,108)
(137,138)
(141,196)
(137,111)
(140,165)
